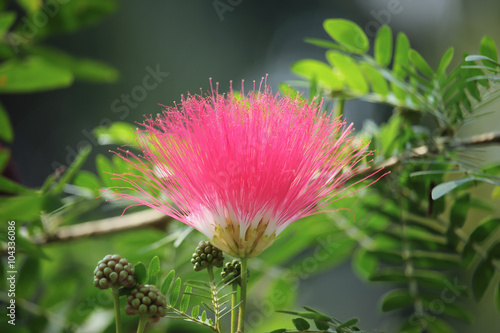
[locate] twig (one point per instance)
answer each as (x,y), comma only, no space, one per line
(146,218)
(476,140)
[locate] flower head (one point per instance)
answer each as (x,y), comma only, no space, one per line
(240,169)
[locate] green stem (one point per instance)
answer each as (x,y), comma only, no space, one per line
(142,323)
(210,270)
(339,107)
(234,301)
(215,300)
(116,300)
(243,295)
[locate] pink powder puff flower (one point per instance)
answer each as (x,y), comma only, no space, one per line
(240,169)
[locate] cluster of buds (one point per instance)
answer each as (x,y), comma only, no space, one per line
(232,271)
(146,300)
(114,271)
(207,254)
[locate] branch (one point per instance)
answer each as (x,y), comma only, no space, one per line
(146,218)
(476,140)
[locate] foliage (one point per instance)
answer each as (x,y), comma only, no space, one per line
(414,230)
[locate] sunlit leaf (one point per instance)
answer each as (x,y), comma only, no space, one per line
(445,61)
(377,81)
(87,179)
(420,63)
(314,69)
(489,49)
(350,71)
(32,74)
(323,43)
(383,46)
(30,6)
(83,69)
(348,34)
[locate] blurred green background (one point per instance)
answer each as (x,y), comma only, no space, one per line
(190,42)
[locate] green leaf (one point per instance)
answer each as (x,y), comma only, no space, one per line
(185,299)
(455,310)
(485,229)
(395,300)
(6,132)
(104,168)
(31,75)
(141,274)
(350,71)
(364,263)
(195,311)
(72,170)
(443,188)
(83,69)
(321,325)
(488,49)
(420,63)
(204,316)
(383,46)
(482,278)
(175,293)
(459,209)
(6,20)
(28,278)
(283,330)
(30,6)
(4,158)
(480,57)
(313,69)
(377,81)
(10,186)
(165,286)
(301,324)
(348,34)
(153,270)
(494,252)
(445,61)
(87,179)
(436,325)
(400,64)
(323,43)
(22,207)
(117,133)
(348,323)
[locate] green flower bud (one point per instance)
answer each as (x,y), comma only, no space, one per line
(206,254)
(146,299)
(114,271)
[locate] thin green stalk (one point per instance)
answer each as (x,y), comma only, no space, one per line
(243,296)
(210,270)
(339,107)
(142,323)
(215,300)
(234,301)
(116,300)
